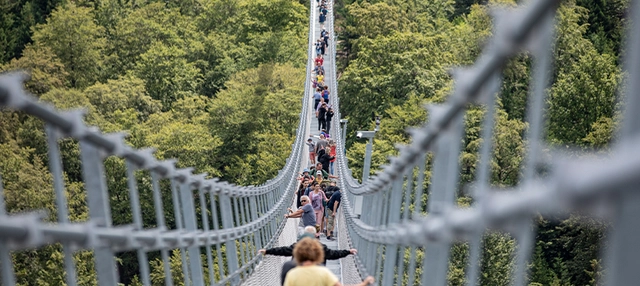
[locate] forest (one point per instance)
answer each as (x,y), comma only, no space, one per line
(217,85)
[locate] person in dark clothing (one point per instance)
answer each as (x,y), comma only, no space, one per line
(301,192)
(322,45)
(332,209)
(321,116)
(327,118)
(329,254)
(286,267)
(332,188)
(325,159)
(325,38)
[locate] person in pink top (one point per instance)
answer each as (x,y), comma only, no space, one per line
(317,197)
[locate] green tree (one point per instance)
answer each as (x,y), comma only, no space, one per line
(45,70)
(120,95)
(167,74)
(77,40)
(581,96)
(149,27)
(258,111)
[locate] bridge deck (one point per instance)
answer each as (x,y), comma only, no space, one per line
(268,272)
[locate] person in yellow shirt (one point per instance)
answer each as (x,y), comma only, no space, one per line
(308,253)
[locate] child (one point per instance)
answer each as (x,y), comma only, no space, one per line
(312,153)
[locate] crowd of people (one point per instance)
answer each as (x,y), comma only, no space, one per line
(318,196)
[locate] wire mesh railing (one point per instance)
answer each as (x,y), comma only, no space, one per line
(233,215)
(229,215)
(393,225)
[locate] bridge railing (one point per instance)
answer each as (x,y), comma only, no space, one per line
(230,215)
(389,228)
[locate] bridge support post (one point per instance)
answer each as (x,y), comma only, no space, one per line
(227,223)
(188,213)
(7,272)
(99,209)
(442,196)
(343,123)
(624,250)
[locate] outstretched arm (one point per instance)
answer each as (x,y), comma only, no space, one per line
(297,213)
(331,254)
(278,251)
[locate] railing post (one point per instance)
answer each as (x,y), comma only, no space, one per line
(358,201)
(175,189)
(99,209)
(483,178)
(442,196)
(8,274)
(55,165)
(344,122)
(543,54)
(134,199)
(160,221)
(417,209)
(216,227)
(391,251)
(205,225)
(188,213)
(624,249)
(227,223)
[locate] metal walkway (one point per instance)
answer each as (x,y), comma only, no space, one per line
(240,220)
(271,265)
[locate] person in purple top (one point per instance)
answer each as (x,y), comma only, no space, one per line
(317,198)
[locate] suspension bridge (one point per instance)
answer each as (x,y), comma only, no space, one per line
(236,221)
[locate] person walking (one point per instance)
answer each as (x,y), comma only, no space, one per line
(308,254)
(325,94)
(306,212)
(332,210)
(318,199)
(300,192)
(321,116)
(325,159)
(328,117)
(312,151)
(319,60)
(318,47)
(332,153)
(323,46)
(317,96)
